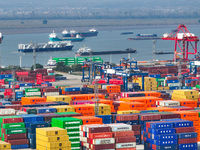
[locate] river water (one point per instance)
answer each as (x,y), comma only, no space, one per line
(109,38)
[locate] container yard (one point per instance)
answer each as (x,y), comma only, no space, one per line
(127,106)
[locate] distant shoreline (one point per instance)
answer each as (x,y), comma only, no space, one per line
(58,25)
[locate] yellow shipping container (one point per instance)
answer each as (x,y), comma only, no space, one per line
(92,86)
(52,138)
(150,89)
(179,96)
(62,144)
(147,79)
(186,92)
(104,109)
(128,112)
(63,98)
(64,108)
(5,145)
(39,147)
(51,131)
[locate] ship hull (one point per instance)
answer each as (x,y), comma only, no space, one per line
(85,34)
(46,49)
(106,52)
(73,39)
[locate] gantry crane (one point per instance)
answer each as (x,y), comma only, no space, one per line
(183,39)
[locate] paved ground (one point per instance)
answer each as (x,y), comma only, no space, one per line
(73,80)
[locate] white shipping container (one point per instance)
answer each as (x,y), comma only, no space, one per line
(120,127)
(83,139)
(167,103)
(32,93)
(27,87)
(19,112)
(174,84)
(51,93)
(125,145)
(7,111)
(103,141)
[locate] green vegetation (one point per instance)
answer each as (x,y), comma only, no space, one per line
(60,66)
(38,66)
(11,68)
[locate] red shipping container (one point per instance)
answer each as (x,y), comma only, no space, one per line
(102,146)
(125,139)
(123,134)
(100,135)
(18,142)
(187,140)
(12,120)
(15,136)
(185,129)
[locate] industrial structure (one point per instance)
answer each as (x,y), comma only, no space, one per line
(185,42)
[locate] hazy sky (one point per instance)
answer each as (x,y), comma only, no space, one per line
(100,3)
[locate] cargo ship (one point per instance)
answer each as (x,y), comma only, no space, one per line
(53,37)
(44,47)
(86,51)
(124,33)
(73,33)
(146,35)
(161,53)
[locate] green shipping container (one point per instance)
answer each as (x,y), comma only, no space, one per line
(198,86)
(32,90)
(66,122)
(15,131)
(13,125)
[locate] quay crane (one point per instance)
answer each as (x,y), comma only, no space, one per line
(183,39)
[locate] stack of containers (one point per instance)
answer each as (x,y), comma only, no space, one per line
(14,132)
(32,92)
(5,145)
(72,126)
(49,78)
(103,109)
(87,90)
(187,137)
(160,135)
(50,92)
(161,84)
(150,84)
(113,88)
(18,94)
(185,94)
(72,90)
(97,137)
(32,132)
(32,100)
(52,138)
(39,78)
(131,119)
(172,83)
(8,93)
(85,110)
(24,86)
(137,133)
(124,136)
(64,108)
(136,87)
(62,98)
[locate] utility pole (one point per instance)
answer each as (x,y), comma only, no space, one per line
(13,83)
(154,50)
(96,88)
(34,57)
(179,73)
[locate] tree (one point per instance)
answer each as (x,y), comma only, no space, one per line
(38,66)
(77,67)
(60,66)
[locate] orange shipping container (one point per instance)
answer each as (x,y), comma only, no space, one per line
(188,115)
(32,100)
(187,102)
(79,97)
(151,93)
(85,110)
(92,96)
(90,120)
(132,106)
(113,88)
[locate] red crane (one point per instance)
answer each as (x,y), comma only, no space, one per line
(183,40)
